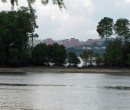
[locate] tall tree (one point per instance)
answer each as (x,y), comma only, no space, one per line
(114,55)
(122,28)
(105,28)
(14,29)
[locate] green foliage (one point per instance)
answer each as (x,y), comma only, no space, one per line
(59,54)
(118,51)
(99,60)
(126,53)
(43,54)
(105,28)
(122,28)
(75,50)
(128,58)
(39,54)
(114,55)
(18,57)
(72,59)
(14,29)
(87,56)
(50,52)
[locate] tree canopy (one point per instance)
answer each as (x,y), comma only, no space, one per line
(43,54)
(72,59)
(105,28)
(87,56)
(114,55)
(14,29)
(122,28)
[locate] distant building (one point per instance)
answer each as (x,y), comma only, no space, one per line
(74,42)
(90,41)
(65,42)
(48,41)
(70,42)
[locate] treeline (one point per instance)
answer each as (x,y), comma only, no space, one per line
(55,55)
(16,28)
(117,51)
(43,54)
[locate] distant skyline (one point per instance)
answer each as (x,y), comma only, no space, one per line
(78,21)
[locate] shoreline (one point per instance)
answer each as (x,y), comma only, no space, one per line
(64,70)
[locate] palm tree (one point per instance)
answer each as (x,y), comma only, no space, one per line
(60,3)
(32,36)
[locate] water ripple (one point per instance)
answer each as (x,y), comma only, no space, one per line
(10,84)
(118,87)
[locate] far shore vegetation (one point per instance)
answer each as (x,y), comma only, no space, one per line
(17,27)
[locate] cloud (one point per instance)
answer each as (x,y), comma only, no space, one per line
(127,1)
(72,22)
(79,20)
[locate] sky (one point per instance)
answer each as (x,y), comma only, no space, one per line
(79,20)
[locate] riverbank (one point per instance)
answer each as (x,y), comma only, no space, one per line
(66,70)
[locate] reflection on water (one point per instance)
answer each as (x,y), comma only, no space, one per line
(6,84)
(40,91)
(118,87)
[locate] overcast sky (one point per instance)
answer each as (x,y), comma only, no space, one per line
(79,20)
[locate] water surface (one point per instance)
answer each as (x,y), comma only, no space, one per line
(64,91)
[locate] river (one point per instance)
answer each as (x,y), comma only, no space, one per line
(64,91)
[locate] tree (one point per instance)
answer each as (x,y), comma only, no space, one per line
(72,59)
(129,58)
(50,52)
(58,54)
(2,55)
(14,29)
(18,57)
(87,56)
(32,36)
(42,54)
(39,54)
(84,55)
(99,59)
(114,55)
(105,28)
(126,53)
(122,28)
(60,3)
